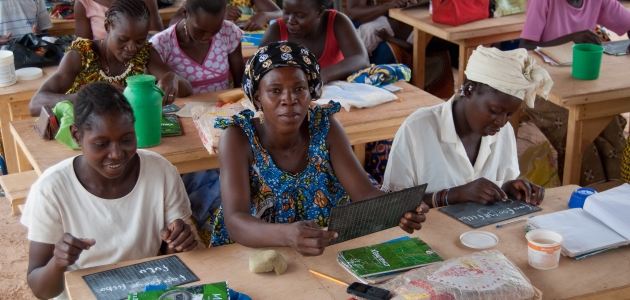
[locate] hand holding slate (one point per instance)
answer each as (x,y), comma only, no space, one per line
(525,190)
(482,191)
(413,221)
(68,249)
(307,238)
(179,237)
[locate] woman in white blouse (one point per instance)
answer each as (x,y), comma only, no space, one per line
(465,149)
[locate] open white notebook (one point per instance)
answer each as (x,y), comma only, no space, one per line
(603,223)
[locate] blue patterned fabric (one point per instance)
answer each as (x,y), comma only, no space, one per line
(281,197)
(381,74)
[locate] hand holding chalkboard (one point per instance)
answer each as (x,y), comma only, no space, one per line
(482,191)
(524,190)
(69,248)
(307,238)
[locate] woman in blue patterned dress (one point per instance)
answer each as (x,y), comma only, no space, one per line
(293,163)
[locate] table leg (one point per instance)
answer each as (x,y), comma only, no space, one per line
(580,134)
(419,57)
(359,152)
(23,164)
(10,157)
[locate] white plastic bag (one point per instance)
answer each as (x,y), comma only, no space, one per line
(205,117)
(354,94)
(481,275)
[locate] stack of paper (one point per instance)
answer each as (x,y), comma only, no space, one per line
(603,224)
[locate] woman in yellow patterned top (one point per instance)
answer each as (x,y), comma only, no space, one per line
(122,53)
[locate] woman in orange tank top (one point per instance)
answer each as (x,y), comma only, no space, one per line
(327,33)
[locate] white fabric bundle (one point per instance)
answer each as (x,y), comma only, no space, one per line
(512,72)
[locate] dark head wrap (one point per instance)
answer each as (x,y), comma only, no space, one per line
(281,54)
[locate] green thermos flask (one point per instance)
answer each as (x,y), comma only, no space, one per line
(146,100)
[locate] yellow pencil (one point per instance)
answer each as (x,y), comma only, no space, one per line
(328,277)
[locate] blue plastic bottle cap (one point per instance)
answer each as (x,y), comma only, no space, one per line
(579,196)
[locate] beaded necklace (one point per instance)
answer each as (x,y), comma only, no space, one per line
(104,71)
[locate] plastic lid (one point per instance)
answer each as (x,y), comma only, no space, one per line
(585,191)
(28,73)
(140,79)
(479,239)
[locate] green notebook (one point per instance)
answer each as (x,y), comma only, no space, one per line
(211,291)
(170,125)
(383,258)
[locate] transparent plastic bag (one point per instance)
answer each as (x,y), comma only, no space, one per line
(485,275)
(204,118)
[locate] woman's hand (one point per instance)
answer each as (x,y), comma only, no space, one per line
(586,36)
(233,13)
(178,236)
(525,190)
(169,83)
(68,249)
(413,221)
(4,39)
(383,34)
(256,22)
(307,238)
(482,191)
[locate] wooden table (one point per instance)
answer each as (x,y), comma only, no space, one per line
(66,27)
(604,276)
(592,104)
(467,36)
(14,102)
(188,154)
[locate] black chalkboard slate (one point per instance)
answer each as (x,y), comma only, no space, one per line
(364,217)
(476,215)
(116,284)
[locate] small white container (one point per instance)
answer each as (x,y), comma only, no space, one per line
(7,69)
(543,248)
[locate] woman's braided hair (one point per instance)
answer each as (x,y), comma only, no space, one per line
(135,9)
(97,99)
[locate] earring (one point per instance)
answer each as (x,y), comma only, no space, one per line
(261,116)
(185,29)
(470,88)
(308,116)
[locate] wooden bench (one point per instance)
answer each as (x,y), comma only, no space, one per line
(16,187)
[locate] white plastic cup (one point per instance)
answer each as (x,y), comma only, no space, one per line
(543,248)
(7,69)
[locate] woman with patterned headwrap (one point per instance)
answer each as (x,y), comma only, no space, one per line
(293,164)
(465,149)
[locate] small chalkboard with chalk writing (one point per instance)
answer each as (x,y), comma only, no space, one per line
(477,215)
(116,284)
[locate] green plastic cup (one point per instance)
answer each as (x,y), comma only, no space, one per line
(587,60)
